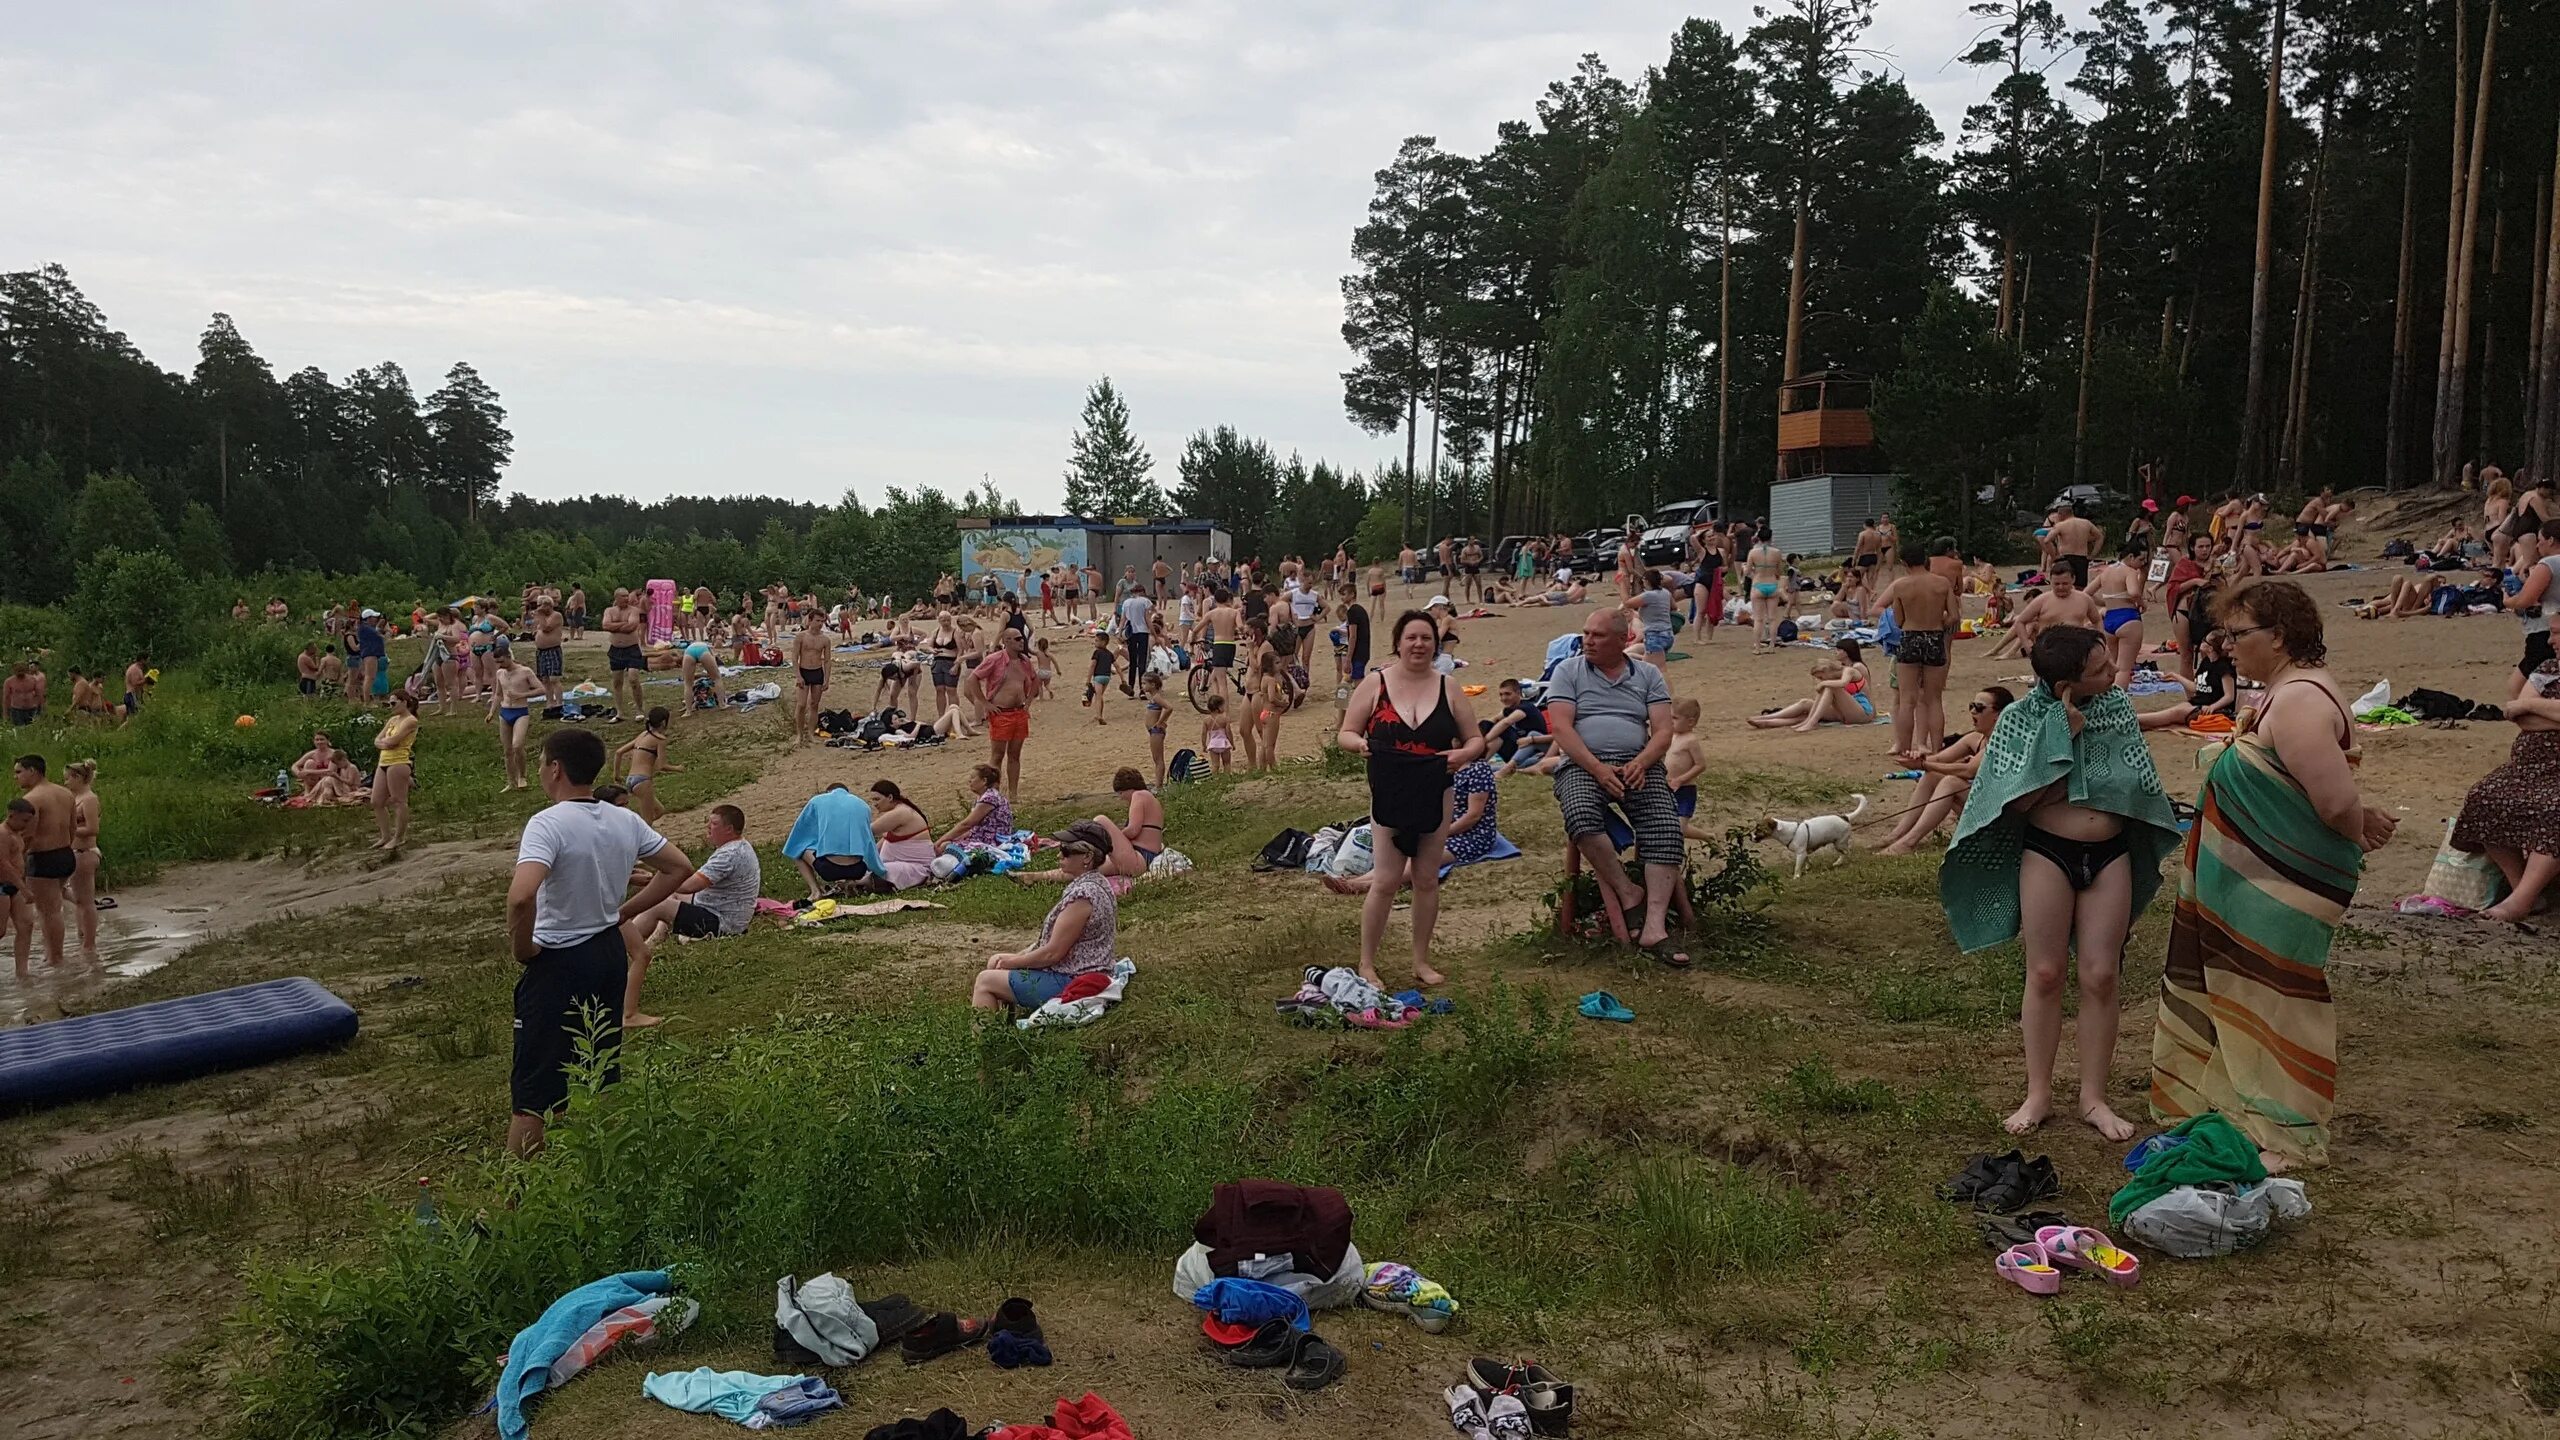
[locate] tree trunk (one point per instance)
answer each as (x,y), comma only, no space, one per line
(2546,401)
(1412,414)
(2252,416)
(1724,336)
(2471,187)
(2088,334)
(2535,249)
(2298,359)
(2168,322)
(2026,290)
(2485,427)
(2297,436)
(2008,274)
(1795,303)
(1434,491)
(2404,326)
(1493,476)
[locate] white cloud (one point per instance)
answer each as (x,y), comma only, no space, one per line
(786,246)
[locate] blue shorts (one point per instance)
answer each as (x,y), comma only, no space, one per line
(1686,800)
(1657,638)
(1035,988)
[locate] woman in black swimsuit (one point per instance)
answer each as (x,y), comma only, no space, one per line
(1416,732)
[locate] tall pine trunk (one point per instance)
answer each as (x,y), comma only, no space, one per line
(2536,252)
(1795,301)
(2088,332)
(2437,447)
(2253,413)
(2484,429)
(1724,335)
(2305,302)
(1493,477)
(2546,400)
(2008,277)
(2456,389)
(2404,327)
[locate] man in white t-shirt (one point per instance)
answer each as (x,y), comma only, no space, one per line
(1136,612)
(566,909)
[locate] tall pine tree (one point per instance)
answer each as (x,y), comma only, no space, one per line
(1108,471)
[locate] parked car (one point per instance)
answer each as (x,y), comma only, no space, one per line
(2085,498)
(1666,540)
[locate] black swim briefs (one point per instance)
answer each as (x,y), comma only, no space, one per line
(626,657)
(56,864)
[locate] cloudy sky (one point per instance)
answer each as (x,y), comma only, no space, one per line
(788,248)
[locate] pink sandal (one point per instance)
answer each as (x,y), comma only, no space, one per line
(2082,1248)
(2026,1266)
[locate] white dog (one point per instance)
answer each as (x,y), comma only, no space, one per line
(1817,832)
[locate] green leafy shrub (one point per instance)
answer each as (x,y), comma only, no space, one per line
(250,656)
(132,602)
(26,629)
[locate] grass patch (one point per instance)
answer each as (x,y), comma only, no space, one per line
(1689,1224)
(2087,1333)
(1812,1089)
(177,1203)
(866,1139)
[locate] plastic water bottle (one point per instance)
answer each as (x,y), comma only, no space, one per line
(284,782)
(425,1213)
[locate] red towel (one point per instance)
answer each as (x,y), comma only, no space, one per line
(1088,1419)
(1092,982)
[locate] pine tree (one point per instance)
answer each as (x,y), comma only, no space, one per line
(467,428)
(1108,471)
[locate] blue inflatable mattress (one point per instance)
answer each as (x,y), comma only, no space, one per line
(63,1060)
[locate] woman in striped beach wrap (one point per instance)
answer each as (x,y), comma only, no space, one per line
(2246,1026)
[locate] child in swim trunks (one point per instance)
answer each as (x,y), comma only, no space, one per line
(1157,714)
(1683,763)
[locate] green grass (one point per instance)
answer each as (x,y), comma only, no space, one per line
(1689,1223)
(176,784)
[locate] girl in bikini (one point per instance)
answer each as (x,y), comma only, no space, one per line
(1839,696)
(79,777)
(644,757)
(1157,713)
(1215,739)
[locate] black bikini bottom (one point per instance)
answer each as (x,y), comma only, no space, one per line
(2080,861)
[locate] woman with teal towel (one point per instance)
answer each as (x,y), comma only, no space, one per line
(2061,844)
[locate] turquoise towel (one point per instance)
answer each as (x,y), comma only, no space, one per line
(834,822)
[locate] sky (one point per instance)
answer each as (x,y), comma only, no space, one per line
(788,248)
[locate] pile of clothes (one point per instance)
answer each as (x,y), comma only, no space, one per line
(1266,1254)
(2200,1191)
(634,1307)
(1084,999)
(1090,1418)
(1342,996)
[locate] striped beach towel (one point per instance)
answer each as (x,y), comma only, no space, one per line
(2246,1026)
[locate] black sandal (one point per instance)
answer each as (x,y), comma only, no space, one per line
(1313,1364)
(1275,1344)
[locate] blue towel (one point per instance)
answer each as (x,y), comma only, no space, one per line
(1251,1302)
(1502,849)
(740,1395)
(834,822)
(539,1344)
(1010,1350)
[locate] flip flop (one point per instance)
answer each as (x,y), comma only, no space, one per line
(2081,1248)
(1313,1364)
(939,1335)
(2027,1267)
(1601,1005)
(1668,953)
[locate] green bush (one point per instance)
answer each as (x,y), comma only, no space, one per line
(133,602)
(1688,1223)
(251,656)
(26,629)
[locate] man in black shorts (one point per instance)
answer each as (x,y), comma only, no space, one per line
(566,913)
(50,860)
(624,620)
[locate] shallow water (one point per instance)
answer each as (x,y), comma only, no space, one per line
(134,939)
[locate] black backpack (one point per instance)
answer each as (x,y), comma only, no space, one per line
(1287,851)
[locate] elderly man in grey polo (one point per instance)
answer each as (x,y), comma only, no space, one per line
(1610,713)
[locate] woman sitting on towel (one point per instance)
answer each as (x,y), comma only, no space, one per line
(2213,696)
(1076,939)
(1946,775)
(906,840)
(2513,814)
(1839,695)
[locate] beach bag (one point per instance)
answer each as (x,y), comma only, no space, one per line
(1186,766)
(1354,855)
(1320,849)
(1285,851)
(1787,632)
(1169,862)
(1250,1219)
(2199,1222)
(2473,882)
